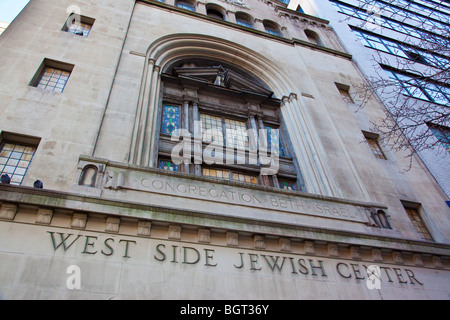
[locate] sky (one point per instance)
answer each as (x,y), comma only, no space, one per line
(9,9)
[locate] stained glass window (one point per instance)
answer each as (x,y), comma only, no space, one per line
(15,160)
(170,119)
(168,165)
(53,79)
(273,141)
(228,175)
(244,178)
(287,185)
(216,173)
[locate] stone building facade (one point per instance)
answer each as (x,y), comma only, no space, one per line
(122,109)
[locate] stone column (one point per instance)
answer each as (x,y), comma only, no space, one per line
(197,137)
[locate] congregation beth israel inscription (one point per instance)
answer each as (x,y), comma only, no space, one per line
(226,194)
(227,259)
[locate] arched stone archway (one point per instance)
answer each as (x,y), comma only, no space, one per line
(168,49)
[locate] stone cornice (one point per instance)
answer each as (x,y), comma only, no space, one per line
(228,24)
(46,201)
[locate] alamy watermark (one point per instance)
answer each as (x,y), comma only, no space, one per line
(74,280)
(373,277)
(237,146)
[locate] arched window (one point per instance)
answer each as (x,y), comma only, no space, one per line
(313,37)
(186,4)
(218,110)
(88,176)
(215,11)
(272,28)
(244,19)
(380,219)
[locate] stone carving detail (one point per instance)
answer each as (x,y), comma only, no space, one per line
(112,224)
(309,248)
(333,250)
(144,228)
(44,216)
(417,258)
(259,242)
(114,181)
(232,239)
(437,261)
(354,253)
(8,211)
(239,3)
(174,232)
(376,255)
(285,245)
(79,220)
(398,257)
(204,235)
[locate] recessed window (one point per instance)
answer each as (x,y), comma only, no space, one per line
(186,5)
(16,156)
(52,75)
(418,223)
(78,25)
(215,11)
(372,140)
(313,37)
(244,19)
(88,176)
(345,92)
(272,28)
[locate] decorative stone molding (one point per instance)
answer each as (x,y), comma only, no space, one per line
(79,220)
(112,224)
(259,242)
(309,248)
(398,257)
(174,232)
(8,211)
(144,228)
(204,235)
(417,258)
(377,255)
(44,216)
(354,253)
(437,261)
(285,244)
(232,239)
(333,250)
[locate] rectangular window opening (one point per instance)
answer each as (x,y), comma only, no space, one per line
(52,75)
(372,140)
(79,25)
(16,154)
